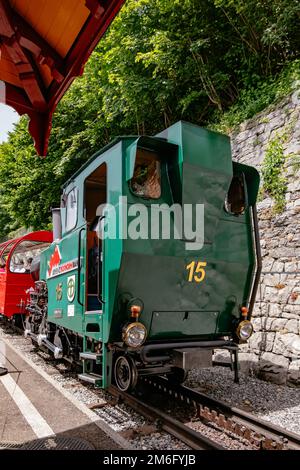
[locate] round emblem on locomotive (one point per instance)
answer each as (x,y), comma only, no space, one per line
(71,288)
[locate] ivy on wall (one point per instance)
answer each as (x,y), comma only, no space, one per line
(273,171)
(274,179)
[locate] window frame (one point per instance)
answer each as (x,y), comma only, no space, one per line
(69,229)
(160,161)
(238,214)
(10,258)
(9,245)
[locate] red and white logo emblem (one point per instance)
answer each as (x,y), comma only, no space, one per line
(54,260)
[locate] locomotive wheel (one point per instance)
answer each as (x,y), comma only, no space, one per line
(125,373)
(177,376)
(18,321)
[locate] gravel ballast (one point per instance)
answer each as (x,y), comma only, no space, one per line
(278,404)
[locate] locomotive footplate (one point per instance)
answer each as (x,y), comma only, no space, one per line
(192,358)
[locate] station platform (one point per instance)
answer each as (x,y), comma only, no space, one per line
(33,410)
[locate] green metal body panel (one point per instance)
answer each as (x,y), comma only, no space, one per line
(69,247)
(59,311)
(155,270)
(196,169)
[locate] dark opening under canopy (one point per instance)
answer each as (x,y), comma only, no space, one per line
(44,45)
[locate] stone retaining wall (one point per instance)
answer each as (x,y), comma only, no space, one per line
(273,352)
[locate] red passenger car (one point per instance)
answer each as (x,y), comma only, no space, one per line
(15,279)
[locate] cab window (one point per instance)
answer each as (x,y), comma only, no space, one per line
(146,180)
(235,202)
(71,209)
(23,255)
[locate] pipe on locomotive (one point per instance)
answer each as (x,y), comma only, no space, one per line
(258,260)
(160,347)
(56,221)
(42,340)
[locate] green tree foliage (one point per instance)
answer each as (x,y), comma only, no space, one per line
(29,186)
(161,61)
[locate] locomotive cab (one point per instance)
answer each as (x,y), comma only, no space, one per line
(16,257)
(158,261)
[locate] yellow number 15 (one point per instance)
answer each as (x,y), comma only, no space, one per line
(196,271)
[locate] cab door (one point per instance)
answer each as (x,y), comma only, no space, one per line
(66,274)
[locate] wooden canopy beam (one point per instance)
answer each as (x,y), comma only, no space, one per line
(11,42)
(35,75)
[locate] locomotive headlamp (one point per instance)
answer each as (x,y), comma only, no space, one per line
(244,330)
(134,334)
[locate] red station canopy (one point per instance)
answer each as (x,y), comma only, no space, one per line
(44,45)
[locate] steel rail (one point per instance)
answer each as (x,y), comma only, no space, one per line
(261,433)
(193,439)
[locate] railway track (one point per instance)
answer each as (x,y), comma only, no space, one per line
(259,433)
(164,422)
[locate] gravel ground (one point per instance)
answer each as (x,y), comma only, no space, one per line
(278,404)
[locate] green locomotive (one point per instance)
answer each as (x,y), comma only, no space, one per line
(124,288)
